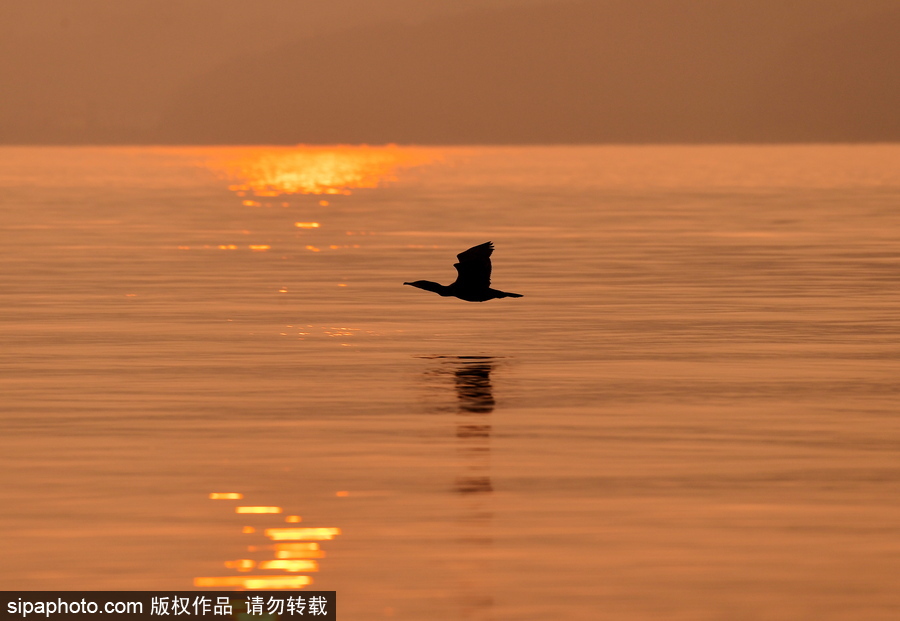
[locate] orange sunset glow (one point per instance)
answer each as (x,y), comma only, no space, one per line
(278,171)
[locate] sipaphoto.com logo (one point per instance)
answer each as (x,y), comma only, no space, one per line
(27,607)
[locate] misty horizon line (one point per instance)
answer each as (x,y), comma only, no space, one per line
(460,145)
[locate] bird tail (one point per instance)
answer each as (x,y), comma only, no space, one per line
(506,294)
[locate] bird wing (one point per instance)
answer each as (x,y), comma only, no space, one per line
(474,267)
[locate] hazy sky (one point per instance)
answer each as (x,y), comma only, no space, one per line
(448,71)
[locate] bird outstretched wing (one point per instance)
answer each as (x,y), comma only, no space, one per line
(474,267)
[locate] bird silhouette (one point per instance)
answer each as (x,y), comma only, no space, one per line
(473,280)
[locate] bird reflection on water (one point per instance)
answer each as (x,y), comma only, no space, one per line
(476,399)
(475,404)
(473,385)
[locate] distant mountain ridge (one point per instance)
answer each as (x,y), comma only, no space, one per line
(615,71)
(604,71)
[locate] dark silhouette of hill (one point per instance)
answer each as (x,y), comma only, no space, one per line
(214,71)
(100,71)
(601,71)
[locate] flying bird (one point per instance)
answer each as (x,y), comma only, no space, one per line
(473,281)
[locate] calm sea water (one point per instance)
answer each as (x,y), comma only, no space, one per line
(692,413)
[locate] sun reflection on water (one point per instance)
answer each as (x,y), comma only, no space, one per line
(296,553)
(276,171)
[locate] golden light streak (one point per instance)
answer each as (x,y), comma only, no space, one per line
(258,509)
(225,496)
(255,582)
(248,530)
(293,518)
(292,566)
(307,225)
(259,247)
(307,534)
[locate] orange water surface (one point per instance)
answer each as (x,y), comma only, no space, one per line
(212,377)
